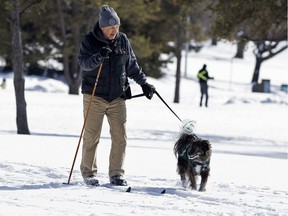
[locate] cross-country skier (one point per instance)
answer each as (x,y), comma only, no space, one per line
(203,78)
(104,44)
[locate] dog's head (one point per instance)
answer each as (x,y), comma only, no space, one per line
(199,150)
(195,147)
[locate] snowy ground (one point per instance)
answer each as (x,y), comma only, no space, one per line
(248,132)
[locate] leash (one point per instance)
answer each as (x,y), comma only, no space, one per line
(167,105)
(140,95)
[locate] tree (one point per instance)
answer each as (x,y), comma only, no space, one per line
(265,50)
(74,18)
(263,22)
(16,11)
(71,68)
(139,20)
(5,34)
(240,48)
(19,81)
(173,23)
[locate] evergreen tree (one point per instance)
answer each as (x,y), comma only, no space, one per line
(262,21)
(174,28)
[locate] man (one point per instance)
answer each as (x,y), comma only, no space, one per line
(203,78)
(107,46)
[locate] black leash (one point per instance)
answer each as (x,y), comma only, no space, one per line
(167,105)
(140,95)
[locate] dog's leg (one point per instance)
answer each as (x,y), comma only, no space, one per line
(204,178)
(181,169)
(192,177)
(184,181)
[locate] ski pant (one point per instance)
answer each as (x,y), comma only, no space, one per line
(115,112)
(204,92)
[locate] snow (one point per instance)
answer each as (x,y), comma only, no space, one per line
(248,133)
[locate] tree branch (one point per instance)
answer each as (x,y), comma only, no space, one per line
(275,53)
(28,6)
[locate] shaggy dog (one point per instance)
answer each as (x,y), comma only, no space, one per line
(193,156)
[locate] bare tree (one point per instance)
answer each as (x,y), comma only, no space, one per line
(264,51)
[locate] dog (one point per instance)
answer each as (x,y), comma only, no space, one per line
(193,156)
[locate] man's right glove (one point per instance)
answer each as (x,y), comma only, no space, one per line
(148,90)
(103,54)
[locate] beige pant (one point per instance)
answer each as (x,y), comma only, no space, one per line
(116,116)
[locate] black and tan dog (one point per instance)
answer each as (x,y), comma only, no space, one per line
(193,156)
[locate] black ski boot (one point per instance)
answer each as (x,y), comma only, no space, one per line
(91,180)
(118,180)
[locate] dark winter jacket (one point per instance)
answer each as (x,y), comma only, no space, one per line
(203,75)
(122,63)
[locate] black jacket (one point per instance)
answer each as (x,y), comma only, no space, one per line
(122,63)
(203,75)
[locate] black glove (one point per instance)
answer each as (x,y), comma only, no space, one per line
(103,54)
(148,90)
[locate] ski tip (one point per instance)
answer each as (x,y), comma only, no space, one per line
(128,190)
(163,191)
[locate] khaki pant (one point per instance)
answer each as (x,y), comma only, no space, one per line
(116,116)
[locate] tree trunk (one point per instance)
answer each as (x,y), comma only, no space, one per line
(178,77)
(75,75)
(240,49)
(268,50)
(214,41)
(179,45)
(19,81)
(72,70)
(256,73)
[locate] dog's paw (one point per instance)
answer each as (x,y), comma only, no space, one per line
(184,183)
(202,189)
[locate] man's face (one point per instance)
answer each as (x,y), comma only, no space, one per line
(110,32)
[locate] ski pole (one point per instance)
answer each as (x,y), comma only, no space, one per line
(166,104)
(85,120)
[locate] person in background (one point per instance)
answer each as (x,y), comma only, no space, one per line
(3,84)
(105,45)
(203,77)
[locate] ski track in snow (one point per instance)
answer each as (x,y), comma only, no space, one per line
(219,199)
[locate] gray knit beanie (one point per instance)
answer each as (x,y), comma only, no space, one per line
(108,17)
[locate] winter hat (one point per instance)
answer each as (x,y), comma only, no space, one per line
(108,17)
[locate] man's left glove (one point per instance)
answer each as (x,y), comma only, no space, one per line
(148,90)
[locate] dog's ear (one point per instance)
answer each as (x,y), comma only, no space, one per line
(206,145)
